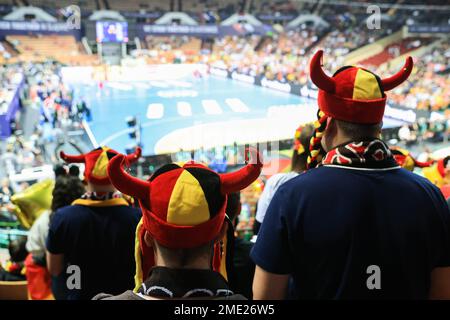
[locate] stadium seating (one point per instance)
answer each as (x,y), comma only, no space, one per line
(44,45)
(193,45)
(173,43)
(395,49)
(6,52)
(62,48)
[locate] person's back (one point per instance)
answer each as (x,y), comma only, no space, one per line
(355,225)
(95,233)
(299,158)
(184,229)
(240,276)
(391,222)
(99,240)
(14,270)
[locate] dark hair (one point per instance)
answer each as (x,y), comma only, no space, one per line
(74,170)
(359,131)
(62,170)
(299,160)
(67,189)
(17,249)
(59,170)
(233,208)
(180,258)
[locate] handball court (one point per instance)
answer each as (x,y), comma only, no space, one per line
(187,111)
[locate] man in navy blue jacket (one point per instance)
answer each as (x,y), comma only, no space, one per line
(90,244)
(355,225)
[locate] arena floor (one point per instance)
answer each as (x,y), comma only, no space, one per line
(190,112)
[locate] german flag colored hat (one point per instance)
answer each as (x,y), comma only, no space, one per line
(436,173)
(182,206)
(354,94)
(96,162)
(406,160)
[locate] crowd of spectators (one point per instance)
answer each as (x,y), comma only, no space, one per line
(284,55)
(52,236)
(54,99)
(277,56)
(11,78)
(428,88)
(48,111)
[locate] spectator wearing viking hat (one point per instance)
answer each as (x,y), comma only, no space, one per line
(439,173)
(95,234)
(355,225)
(181,249)
(406,160)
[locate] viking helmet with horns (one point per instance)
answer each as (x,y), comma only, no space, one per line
(182,206)
(352,94)
(406,160)
(96,162)
(436,173)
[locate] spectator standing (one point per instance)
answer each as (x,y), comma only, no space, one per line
(182,226)
(243,268)
(298,165)
(338,228)
(14,270)
(95,233)
(67,189)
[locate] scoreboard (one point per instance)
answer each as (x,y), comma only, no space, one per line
(111,31)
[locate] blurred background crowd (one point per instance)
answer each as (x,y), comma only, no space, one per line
(41,113)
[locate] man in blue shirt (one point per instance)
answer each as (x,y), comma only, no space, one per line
(356,225)
(90,244)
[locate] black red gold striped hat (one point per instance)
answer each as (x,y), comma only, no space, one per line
(183,206)
(406,160)
(96,162)
(354,94)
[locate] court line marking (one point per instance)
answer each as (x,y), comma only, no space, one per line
(155,111)
(141,85)
(119,86)
(166,121)
(90,134)
(184,108)
(159,84)
(237,105)
(211,106)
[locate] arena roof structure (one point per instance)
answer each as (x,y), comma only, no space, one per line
(303,18)
(181,17)
(242,18)
(106,15)
(20,14)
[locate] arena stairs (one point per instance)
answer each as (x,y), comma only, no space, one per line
(379,53)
